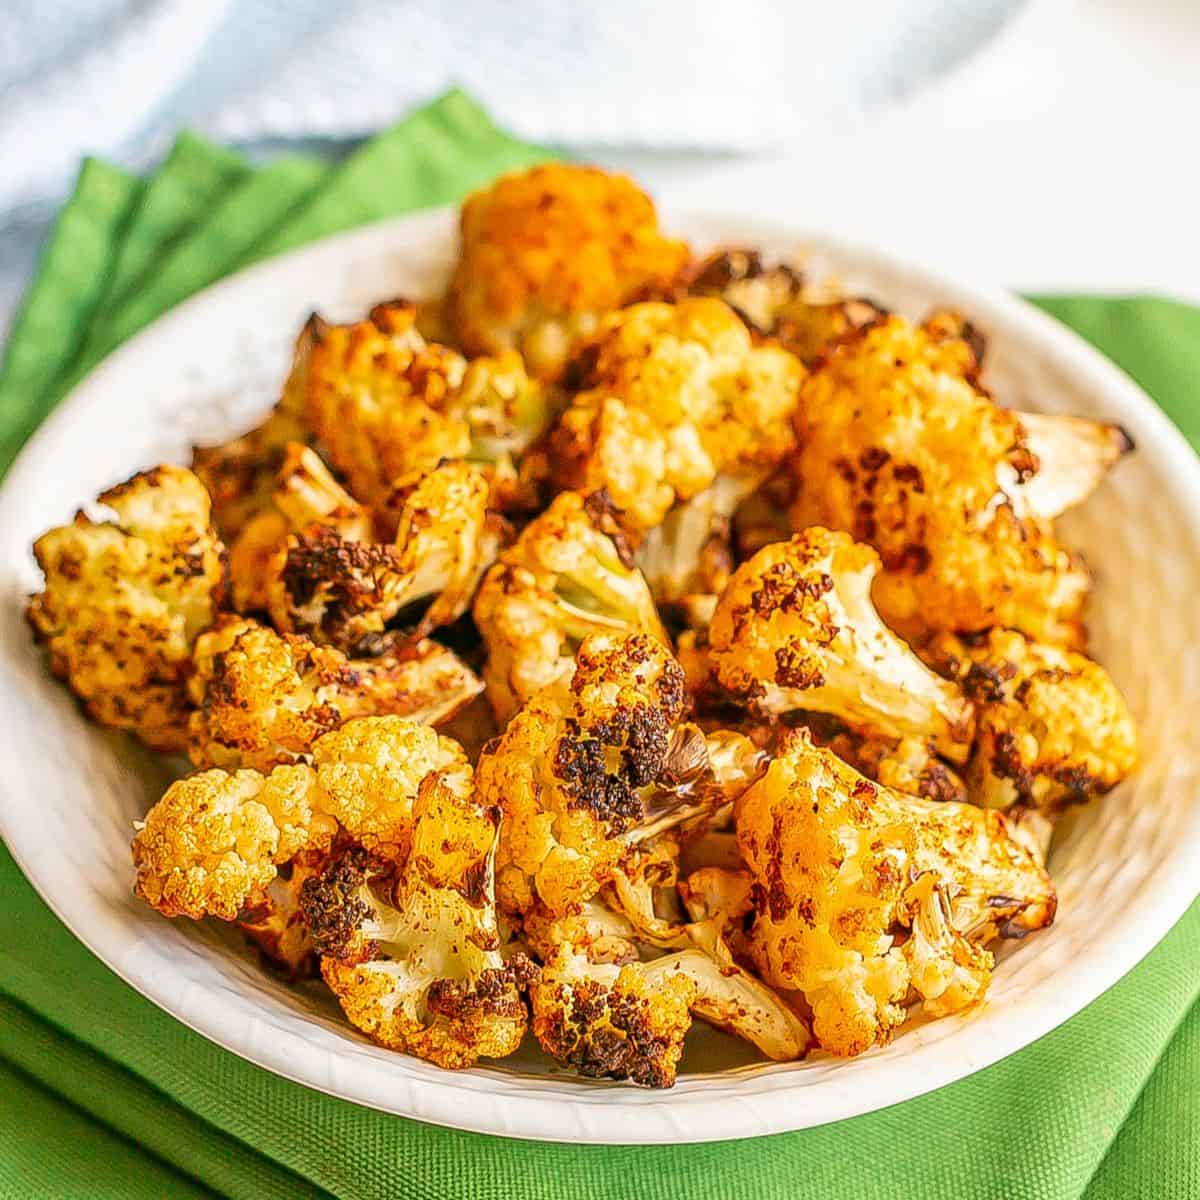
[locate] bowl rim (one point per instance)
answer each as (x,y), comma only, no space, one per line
(715,1109)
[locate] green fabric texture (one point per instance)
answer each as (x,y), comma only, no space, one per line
(103,1094)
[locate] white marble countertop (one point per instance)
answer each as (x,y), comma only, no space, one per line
(1065,158)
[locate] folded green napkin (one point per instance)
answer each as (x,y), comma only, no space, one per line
(102,1094)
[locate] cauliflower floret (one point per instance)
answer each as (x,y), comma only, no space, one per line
(345,592)
(305,494)
(605,1019)
(546,252)
(585,772)
(124,601)
(569,574)
(413,953)
(898,447)
(263,698)
(214,843)
(796,629)
(675,395)
(1053,729)
(863,893)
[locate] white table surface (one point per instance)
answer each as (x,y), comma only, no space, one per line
(1065,158)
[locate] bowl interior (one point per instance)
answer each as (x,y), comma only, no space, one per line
(1125,868)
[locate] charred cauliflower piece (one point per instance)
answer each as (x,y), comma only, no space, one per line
(1053,729)
(263,698)
(570,574)
(796,629)
(278,927)
(863,893)
(585,772)
(604,1019)
(124,601)
(897,446)
(214,843)
(773,302)
(413,952)
(345,593)
(545,253)
(305,495)
(674,396)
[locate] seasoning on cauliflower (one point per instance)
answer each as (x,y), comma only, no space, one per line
(863,893)
(796,629)
(899,448)
(305,495)
(1053,729)
(124,601)
(674,396)
(623,1021)
(278,927)
(584,773)
(774,302)
(569,574)
(214,844)
(345,593)
(545,253)
(412,952)
(263,698)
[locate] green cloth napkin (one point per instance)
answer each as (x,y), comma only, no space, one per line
(103,1094)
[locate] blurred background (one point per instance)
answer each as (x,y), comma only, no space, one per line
(1041,144)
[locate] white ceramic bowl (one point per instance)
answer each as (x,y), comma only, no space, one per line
(1126,868)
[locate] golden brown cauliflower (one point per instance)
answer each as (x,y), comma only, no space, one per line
(1053,729)
(124,601)
(214,844)
(569,574)
(601,1019)
(796,629)
(545,253)
(898,447)
(263,698)
(674,395)
(412,952)
(864,893)
(345,592)
(583,771)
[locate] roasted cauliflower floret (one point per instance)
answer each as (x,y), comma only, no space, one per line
(898,447)
(124,601)
(214,843)
(605,1019)
(545,253)
(796,629)
(583,772)
(305,495)
(413,952)
(570,574)
(1053,729)
(263,698)
(345,592)
(673,396)
(864,893)
(278,926)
